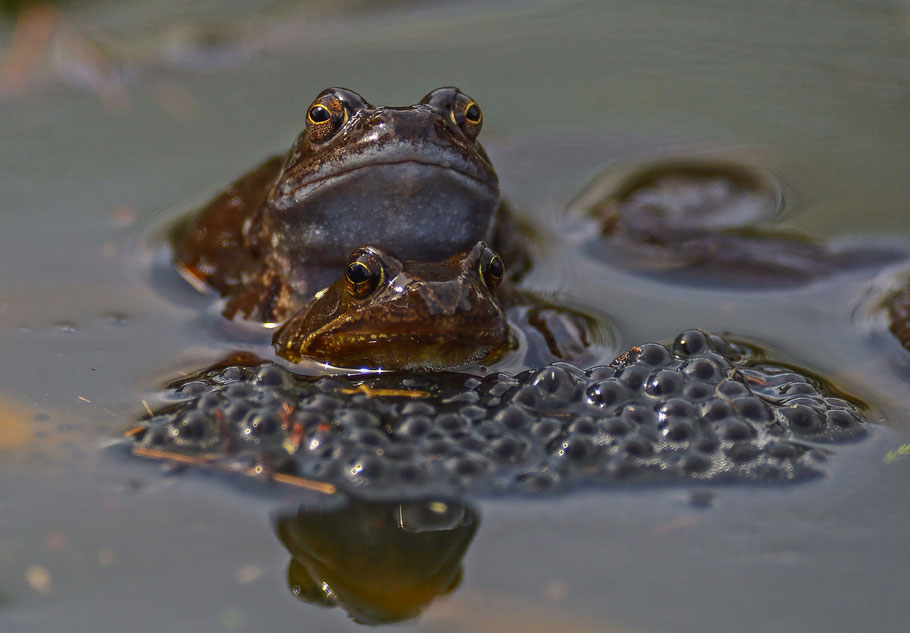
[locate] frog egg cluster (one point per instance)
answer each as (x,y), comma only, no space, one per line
(703,409)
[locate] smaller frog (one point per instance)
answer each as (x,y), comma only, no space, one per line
(393,314)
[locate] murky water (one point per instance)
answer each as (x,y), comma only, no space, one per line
(816,93)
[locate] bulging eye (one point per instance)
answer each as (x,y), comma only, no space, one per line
(491,269)
(461,109)
(472,114)
(325,117)
(319,114)
(364,274)
(466,114)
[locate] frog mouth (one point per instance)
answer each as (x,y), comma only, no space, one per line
(417,204)
(407,350)
(464,333)
(351,339)
(410,167)
(406,347)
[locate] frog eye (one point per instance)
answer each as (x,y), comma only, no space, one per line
(466,114)
(472,114)
(364,274)
(491,269)
(318,114)
(461,109)
(325,117)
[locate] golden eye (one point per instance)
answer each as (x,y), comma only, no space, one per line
(325,117)
(318,114)
(472,113)
(364,274)
(461,109)
(466,114)
(491,269)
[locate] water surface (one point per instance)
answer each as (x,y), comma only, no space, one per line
(815,92)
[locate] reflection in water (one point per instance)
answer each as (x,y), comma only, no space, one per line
(381,561)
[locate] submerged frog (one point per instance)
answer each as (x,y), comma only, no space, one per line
(411,179)
(704,220)
(389,313)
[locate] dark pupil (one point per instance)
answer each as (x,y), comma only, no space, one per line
(320,114)
(358,273)
(472,114)
(495,268)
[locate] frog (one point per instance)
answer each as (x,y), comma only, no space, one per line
(389,313)
(897,306)
(394,314)
(412,179)
(704,220)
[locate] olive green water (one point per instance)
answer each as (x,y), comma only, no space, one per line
(817,92)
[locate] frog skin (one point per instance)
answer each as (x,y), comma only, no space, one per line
(411,179)
(705,220)
(897,305)
(403,314)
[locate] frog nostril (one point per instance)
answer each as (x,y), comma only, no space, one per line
(414,123)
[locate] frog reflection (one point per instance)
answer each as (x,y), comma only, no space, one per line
(412,179)
(381,561)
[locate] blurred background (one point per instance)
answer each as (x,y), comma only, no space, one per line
(114,115)
(819,89)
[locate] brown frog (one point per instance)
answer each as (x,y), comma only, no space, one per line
(389,313)
(704,221)
(411,179)
(897,304)
(394,314)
